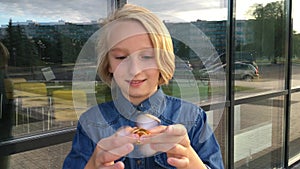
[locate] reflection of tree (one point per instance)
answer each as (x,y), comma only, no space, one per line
(296,45)
(269,29)
(23,51)
(70,48)
(181,50)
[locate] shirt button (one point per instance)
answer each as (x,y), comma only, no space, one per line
(138,162)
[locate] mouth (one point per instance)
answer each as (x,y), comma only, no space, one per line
(136,83)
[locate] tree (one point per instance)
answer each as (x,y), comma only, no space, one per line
(269,29)
(22,50)
(296,45)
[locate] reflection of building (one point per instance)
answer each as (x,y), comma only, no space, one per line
(63,40)
(215,31)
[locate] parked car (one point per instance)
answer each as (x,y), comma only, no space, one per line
(249,62)
(242,71)
(245,71)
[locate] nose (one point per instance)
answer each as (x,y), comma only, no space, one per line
(134,66)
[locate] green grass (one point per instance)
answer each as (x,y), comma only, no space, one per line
(103,92)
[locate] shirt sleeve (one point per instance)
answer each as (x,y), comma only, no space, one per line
(82,150)
(205,143)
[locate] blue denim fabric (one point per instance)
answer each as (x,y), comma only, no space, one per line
(105,119)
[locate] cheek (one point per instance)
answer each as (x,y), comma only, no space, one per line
(113,67)
(154,73)
(119,72)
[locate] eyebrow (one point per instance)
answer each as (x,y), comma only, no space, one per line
(117,49)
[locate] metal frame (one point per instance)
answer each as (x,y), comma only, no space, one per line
(288,79)
(18,145)
(229,151)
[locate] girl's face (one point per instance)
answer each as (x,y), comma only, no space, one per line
(132,61)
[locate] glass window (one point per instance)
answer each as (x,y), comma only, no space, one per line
(48,72)
(258,129)
(199,45)
(43,42)
(258,134)
(294,149)
(199,40)
(296,45)
(259,44)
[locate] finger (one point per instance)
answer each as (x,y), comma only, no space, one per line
(180,133)
(124,131)
(181,162)
(105,157)
(164,138)
(158,129)
(117,165)
(120,138)
(176,130)
(169,148)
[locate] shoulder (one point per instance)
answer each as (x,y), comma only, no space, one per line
(94,121)
(182,111)
(95,113)
(183,106)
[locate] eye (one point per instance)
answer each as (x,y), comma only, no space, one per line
(120,57)
(147,57)
(147,54)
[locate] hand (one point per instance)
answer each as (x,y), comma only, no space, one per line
(112,148)
(175,142)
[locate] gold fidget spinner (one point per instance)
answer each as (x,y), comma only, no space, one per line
(140,131)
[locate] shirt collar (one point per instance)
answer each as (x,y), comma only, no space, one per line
(154,105)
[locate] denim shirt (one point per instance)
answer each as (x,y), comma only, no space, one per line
(105,119)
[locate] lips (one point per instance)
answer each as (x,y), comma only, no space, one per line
(136,83)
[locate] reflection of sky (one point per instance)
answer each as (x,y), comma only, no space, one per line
(187,10)
(51,10)
(85,11)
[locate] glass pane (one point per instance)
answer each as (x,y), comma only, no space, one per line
(43,42)
(296,44)
(258,134)
(259,46)
(218,123)
(294,151)
(294,148)
(199,40)
(199,45)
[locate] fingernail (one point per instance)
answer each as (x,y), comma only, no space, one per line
(136,136)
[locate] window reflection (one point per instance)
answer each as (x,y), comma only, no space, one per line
(44,41)
(44,47)
(258,134)
(199,45)
(294,150)
(259,42)
(296,45)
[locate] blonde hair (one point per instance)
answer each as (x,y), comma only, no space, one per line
(158,33)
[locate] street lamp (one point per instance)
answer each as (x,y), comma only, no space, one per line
(42,46)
